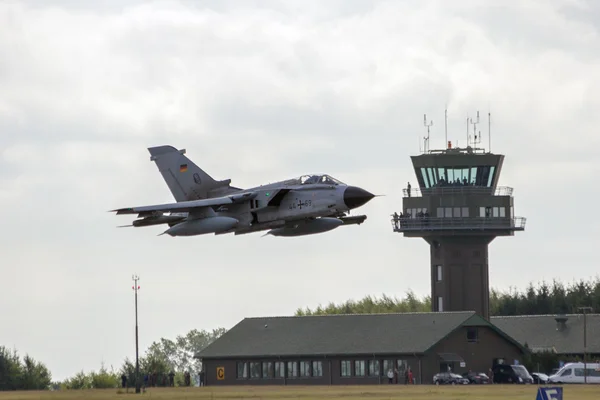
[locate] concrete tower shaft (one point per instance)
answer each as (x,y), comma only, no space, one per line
(458,209)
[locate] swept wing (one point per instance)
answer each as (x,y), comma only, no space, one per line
(188,206)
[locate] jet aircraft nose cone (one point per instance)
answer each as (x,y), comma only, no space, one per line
(355,197)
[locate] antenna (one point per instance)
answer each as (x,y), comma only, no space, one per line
(476,137)
(490,131)
(446,124)
(426,138)
(468,119)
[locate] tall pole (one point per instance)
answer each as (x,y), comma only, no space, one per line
(446,125)
(137,360)
(585,341)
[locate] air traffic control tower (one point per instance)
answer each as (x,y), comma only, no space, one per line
(458,209)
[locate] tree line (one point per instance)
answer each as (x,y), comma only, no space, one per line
(544,298)
(162,358)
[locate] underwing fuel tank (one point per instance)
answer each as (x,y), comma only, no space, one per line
(202,226)
(158,220)
(319,225)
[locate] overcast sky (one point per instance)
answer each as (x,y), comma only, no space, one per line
(258,91)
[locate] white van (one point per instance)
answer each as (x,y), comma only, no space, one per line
(573,373)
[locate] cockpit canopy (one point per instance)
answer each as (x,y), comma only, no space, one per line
(322,179)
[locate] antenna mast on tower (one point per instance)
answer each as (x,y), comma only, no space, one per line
(490,131)
(446,124)
(476,136)
(426,138)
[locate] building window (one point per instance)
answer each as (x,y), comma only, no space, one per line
(425,180)
(317,368)
(440,212)
(304,368)
(439,272)
(279,369)
(242,370)
(502,212)
(456,212)
(292,369)
(388,365)
(471,334)
(255,370)
(448,212)
(465,212)
(374,368)
(267,369)
(359,368)
(496,213)
(440,304)
(402,366)
(482,212)
(346,368)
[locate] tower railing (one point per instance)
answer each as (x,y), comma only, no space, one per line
(465,223)
(459,189)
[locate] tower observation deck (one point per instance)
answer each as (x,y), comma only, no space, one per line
(458,209)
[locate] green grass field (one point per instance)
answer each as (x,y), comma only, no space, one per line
(471,392)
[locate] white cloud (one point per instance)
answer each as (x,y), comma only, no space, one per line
(260,91)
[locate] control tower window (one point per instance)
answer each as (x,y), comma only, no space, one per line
(457,176)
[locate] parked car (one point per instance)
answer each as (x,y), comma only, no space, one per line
(449,378)
(504,373)
(539,378)
(476,377)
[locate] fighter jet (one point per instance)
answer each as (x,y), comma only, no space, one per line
(305,205)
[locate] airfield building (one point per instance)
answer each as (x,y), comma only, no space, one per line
(354,349)
(558,334)
(458,209)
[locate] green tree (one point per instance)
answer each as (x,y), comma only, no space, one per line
(179,355)
(34,375)
(79,381)
(104,379)
(10,369)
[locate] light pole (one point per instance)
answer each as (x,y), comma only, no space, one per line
(137,360)
(584,309)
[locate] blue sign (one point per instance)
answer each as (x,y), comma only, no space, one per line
(550,393)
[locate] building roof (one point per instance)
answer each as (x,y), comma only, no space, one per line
(402,333)
(542,332)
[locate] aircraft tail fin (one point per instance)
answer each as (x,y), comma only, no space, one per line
(185,179)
